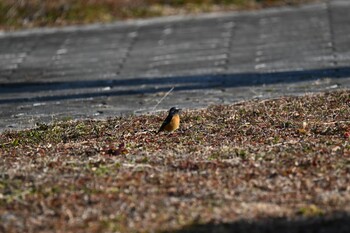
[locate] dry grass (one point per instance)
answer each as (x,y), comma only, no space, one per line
(32,13)
(286,158)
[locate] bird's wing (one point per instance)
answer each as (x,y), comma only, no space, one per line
(165,122)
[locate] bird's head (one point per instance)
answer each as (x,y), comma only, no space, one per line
(174,110)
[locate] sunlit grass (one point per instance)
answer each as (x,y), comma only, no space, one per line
(285,158)
(32,13)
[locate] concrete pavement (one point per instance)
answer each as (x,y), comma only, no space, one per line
(124,68)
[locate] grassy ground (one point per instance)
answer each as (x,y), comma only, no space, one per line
(238,167)
(32,13)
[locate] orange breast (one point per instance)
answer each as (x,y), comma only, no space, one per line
(174,123)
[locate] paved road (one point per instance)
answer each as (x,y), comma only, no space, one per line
(122,68)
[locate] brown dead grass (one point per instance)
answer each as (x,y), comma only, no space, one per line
(16,14)
(286,158)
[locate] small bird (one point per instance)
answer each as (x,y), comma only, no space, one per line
(172,121)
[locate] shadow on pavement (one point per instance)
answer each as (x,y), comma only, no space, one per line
(338,223)
(134,86)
